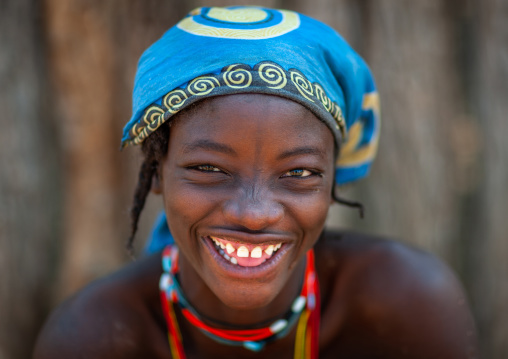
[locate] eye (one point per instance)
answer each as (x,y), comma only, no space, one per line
(299,172)
(206,168)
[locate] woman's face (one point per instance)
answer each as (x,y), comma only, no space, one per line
(246,187)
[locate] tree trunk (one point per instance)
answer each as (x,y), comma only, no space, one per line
(93,47)
(29,184)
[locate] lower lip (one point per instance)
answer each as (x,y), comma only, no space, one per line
(246,271)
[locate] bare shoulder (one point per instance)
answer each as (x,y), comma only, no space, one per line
(402,301)
(110,318)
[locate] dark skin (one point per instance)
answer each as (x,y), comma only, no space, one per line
(259,169)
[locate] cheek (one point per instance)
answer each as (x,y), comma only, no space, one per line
(310,212)
(182,208)
(180,205)
(186,206)
(183,212)
(316,214)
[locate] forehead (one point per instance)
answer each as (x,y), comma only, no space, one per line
(249,117)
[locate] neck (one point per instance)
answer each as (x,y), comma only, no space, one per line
(218,314)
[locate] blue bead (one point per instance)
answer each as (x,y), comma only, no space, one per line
(253,346)
(166,264)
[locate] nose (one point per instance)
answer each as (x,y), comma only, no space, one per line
(253,208)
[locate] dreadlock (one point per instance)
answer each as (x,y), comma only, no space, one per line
(154,148)
(346,202)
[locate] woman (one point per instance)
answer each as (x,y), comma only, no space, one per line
(249,118)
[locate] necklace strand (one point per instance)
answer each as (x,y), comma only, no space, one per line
(304,310)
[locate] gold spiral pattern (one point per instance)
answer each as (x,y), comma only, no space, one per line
(302,85)
(138,140)
(339,118)
(273,75)
(321,95)
(151,115)
(141,137)
(135,130)
(155,124)
(202,85)
(237,78)
(174,100)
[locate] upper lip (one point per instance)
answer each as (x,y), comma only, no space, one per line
(249,238)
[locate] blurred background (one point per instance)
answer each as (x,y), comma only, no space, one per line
(66,72)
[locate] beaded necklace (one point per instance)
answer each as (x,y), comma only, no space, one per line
(304,310)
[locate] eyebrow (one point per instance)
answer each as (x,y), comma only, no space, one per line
(302,151)
(208,145)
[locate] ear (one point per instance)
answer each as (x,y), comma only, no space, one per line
(156,184)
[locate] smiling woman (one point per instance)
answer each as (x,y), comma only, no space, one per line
(269,188)
(249,118)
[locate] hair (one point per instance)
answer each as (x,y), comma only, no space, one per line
(154,149)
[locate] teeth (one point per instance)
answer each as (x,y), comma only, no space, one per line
(269,250)
(242,252)
(256,252)
(229,248)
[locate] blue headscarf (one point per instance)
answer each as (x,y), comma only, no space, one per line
(220,51)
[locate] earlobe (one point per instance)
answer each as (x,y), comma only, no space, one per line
(156,184)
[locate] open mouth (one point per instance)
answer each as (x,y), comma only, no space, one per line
(243,254)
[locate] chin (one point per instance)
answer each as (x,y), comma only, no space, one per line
(245,297)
